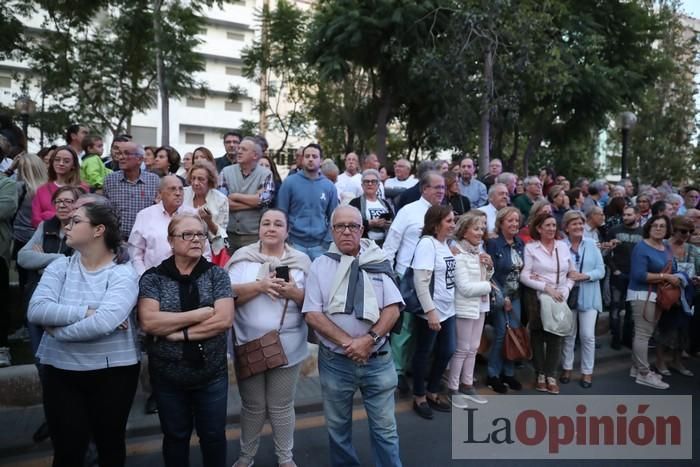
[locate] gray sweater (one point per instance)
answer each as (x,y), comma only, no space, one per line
(80,343)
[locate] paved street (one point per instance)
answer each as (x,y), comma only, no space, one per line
(423,443)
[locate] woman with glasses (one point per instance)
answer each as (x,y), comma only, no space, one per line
(585,299)
(185,306)
(649,258)
(64,170)
(436,336)
(376,213)
(671,335)
(89,350)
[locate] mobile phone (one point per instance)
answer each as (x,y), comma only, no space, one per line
(386,216)
(282,272)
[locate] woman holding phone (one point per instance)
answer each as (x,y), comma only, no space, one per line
(376,212)
(211,204)
(268,279)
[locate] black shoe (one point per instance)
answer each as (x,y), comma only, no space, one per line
(423,410)
(440,405)
(511,382)
(151,405)
(496,384)
(41,433)
(402,386)
(565,377)
(519,365)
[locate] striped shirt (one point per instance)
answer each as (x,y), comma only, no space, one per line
(129,198)
(80,343)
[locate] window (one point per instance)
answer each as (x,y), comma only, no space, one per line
(194,138)
(5,82)
(234,70)
(198,102)
(233,106)
(145,135)
(235,36)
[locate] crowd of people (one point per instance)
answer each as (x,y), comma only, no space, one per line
(196,260)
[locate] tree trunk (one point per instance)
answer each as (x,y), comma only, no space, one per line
(510,166)
(532,145)
(382,130)
(485,126)
(160,74)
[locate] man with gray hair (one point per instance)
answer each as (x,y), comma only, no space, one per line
(498,199)
(130,189)
(414,193)
(399,245)
(250,189)
(533,192)
(330,170)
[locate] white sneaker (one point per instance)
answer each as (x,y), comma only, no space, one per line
(633,372)
(459,401)
(652,380)
(472,395)
(5,359)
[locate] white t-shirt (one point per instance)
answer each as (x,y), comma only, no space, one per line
(396,183)
(435,256)
(374,210)
(349,184)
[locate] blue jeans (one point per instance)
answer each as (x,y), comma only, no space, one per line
(312,252)
(180,409)
(497,363)
(441,344)
(340,378)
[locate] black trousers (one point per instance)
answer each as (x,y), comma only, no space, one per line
(81,405)
(5,309)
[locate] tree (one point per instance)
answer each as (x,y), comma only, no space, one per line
(96,58)
(276,60)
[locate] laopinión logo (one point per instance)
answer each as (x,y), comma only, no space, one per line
(575,427)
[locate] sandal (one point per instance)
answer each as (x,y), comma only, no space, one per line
(586,381)
(565,377)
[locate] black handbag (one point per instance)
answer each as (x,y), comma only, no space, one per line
(572,300)
(407,289)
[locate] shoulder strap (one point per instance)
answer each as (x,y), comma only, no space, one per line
(284,313)
(556,253)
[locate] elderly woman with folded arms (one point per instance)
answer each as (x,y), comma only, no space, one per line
(186,308)
(262,300)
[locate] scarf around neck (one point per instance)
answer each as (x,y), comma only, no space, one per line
(350,293)
(292,258)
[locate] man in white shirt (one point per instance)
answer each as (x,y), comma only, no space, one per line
(498,199)
(403,178)
(349,184)
(400,243)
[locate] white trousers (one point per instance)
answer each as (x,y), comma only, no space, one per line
(584,323)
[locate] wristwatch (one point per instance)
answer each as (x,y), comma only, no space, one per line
(375,337)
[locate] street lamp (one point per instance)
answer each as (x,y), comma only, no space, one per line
(627,121)
(25,107)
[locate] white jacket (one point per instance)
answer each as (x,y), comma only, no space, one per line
(470,286)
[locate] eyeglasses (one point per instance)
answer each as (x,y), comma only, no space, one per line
(683,231)
(370,182)
(76,221)
(64,202)
(189,236)
(340,228)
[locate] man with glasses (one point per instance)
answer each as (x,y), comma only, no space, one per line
(400,243)
(352,329)
(533,192)
(309,199)
(232,139)
(130,189)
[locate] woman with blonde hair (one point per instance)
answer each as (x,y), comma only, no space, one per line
(211,204)
(31,174)
(473,272)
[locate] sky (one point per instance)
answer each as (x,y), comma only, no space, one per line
(692,7)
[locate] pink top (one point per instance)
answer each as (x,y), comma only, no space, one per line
(42,207)
(540,267)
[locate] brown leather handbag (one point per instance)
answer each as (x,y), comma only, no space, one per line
(667,295)
(516,343)
(261,354)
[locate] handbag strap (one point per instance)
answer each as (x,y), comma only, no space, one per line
(556,253)
(518,344)
(284,313)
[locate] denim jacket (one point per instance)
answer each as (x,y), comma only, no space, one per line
(499,250)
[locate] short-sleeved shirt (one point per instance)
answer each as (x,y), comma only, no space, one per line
(165,358)
(432,255)
(262,314)
(317,297)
